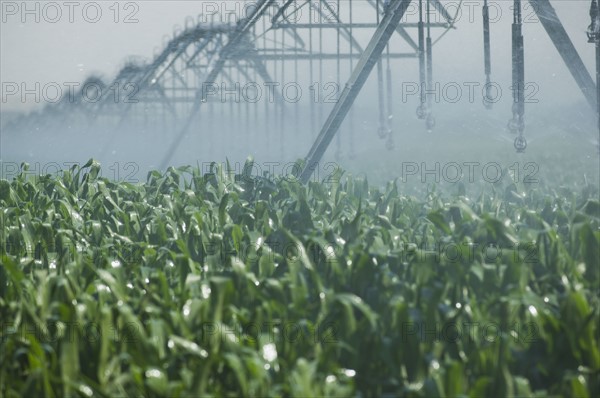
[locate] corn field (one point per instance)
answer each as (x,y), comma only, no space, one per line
(217,284)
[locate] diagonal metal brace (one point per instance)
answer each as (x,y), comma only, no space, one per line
(565,47)
(225,54)
(368,59)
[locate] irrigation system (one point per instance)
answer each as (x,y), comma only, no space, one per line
(273,42)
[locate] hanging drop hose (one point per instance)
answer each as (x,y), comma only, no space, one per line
(338,143)
(487,100)
(517,124)
(382,130)
(594,37)
(421,112)
(430,122)
(390,142)
(521,52)
(512,125)
(352,152)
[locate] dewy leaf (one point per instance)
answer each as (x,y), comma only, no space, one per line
(235,363)
(356,302)
(301,251)
(592,209)
(5,191)
(454,379)
(437,218)
(15,273)
(187,346)
(590,245)
(238,235)
(69,359)
(223,209)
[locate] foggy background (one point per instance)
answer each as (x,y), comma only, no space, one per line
(561,120)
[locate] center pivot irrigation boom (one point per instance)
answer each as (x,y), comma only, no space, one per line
(394,13)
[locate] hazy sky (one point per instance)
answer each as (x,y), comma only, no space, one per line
(65,51)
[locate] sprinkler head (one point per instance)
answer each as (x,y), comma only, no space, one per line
(487,102)
(390,145)
(520,144)
(430,123)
